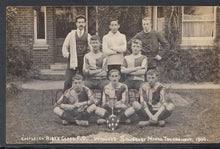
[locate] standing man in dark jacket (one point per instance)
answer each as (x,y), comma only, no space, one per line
(151,41)
(74,48)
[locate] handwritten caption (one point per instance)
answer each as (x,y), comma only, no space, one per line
(120,138)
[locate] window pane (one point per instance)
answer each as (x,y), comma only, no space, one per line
(198,13)
(161,19)
(40,23)
(198,21)
(160,12)
(198,29)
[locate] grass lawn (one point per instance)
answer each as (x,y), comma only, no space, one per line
(31,119)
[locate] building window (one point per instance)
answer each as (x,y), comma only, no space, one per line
(159,19)
(40,26)
(198,25)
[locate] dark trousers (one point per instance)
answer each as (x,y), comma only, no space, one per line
(68,78)
(152,63)
(116,111)
(96,83)
(133,84)
(119,112)
(165,114)
(73,115)
(71,72)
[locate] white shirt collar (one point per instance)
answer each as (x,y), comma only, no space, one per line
(137,55)
(78,31)
(99,52)
(116,86)
(147,32)
(117,33)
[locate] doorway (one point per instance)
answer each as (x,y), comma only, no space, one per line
(64,22)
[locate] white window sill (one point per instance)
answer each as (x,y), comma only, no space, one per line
(40,46)
(185,47)
(197,43)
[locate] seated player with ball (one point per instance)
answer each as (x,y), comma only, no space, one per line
(76,104)
(153,107)
(115,107)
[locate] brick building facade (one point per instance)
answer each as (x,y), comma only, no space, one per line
(41,30)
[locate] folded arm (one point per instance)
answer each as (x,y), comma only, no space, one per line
(67,107)
(94,72)
(102,73)
(122,47)
(140,70)
(87,70)
(106,49)
(130,70)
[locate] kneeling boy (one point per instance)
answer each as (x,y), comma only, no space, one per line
(76,104)
(153,107)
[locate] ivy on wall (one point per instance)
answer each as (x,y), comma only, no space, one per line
(18,60)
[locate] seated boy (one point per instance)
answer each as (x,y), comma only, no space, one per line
(114,99)
(153,107)
(135,66)
(94,66)
(76,104)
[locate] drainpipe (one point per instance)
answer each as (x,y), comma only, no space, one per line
(155,17)
(87,19)
(96,20)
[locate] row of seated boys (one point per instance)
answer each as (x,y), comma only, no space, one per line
(78,103)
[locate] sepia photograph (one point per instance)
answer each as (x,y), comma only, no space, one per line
(112,74)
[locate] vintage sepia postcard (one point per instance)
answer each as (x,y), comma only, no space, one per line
(112,74)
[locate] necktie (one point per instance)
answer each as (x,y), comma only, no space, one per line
(80,33)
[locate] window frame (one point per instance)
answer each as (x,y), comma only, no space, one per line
(199,41)
(40,43)
(155,20)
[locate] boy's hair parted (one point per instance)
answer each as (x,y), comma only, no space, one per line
(136,41)
(152,72)
(114,70)
(77,77)
(95,37)
(80,17)
(114,19)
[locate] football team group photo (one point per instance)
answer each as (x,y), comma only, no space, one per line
(120,74)
(96,64)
